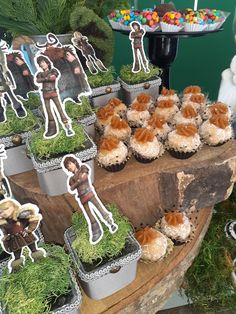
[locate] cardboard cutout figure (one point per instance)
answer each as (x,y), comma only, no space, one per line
(73,82)
(17,231)
(139,58)
(92,62)
(7,87)
(47,78)
(79,183)
(23,77)
(5,190)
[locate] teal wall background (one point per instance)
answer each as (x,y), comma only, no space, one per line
(200,60)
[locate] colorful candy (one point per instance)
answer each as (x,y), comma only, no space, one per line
(173,18)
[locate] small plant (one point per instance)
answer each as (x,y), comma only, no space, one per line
(33,101)
(131,78)
(208,282)
(45,149)
(34,288)
(14,125)
(102,78)
(76,111)
(109,247)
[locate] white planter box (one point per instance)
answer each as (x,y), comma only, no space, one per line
(52,179)
(131,91)
(101,95)
(88,124)
(111,277)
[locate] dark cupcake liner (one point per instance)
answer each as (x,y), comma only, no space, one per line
(143,160)
(180,155)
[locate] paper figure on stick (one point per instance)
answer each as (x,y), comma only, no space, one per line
(5,190)
(139,58)
(47,78)
(93,64)
(79,183)
(18,224)
(73,81)
(7,89)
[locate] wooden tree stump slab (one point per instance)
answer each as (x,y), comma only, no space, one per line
(141,191)
(155,282)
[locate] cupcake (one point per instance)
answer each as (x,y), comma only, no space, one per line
(137,114)
(214,18)
(166,109)
(217,108)
(194,21)
(172,22)
(112,154)
(144,99)
(118,128)
(187,115)
(176,226)
(104,116)
(163,8)
(145,145)
(159,126)
(184,141)
(118,106)
(217,130)
(154,244)
(168,94)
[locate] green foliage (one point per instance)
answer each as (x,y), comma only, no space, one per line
(80,110)
(33,101)
(104,7)
(131,78)
(47,148)
(208,282)
(110,245)
(102,78)
(98,32)
(31,290)
(14,125)
(34,17)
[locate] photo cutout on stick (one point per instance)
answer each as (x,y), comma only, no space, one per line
(8,88)
(136,36)
(47,78)
(73,82)
(5,190)
(79,183)
(18,224)
(94,64)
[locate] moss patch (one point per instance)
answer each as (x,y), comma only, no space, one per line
(131,78)
(78,110)
(102,78)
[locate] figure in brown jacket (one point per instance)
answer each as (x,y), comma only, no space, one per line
(17,226)
(79,183)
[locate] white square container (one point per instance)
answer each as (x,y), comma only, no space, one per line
(101,95)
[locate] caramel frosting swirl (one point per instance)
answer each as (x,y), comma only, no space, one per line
(199,99)
(219,108)
(174,219)
(105,112)
(186,129)
(192,89)
(114,102)
(143,98)
(221,121)
(189,112)
(156,121)
(108,143)
(165,103)
(167,92)
(146,235)
(118,123)
(144,135)
(139,106)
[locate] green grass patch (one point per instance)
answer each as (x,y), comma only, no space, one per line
(102,78)
(47,148)
(111,244)
(32,289)
(131,78)
(208,282)
(78,110)
(15,125)
(33,101)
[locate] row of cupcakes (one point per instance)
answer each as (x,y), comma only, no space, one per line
(172,21)
(174,228)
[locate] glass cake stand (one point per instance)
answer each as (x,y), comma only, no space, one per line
(163,48)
